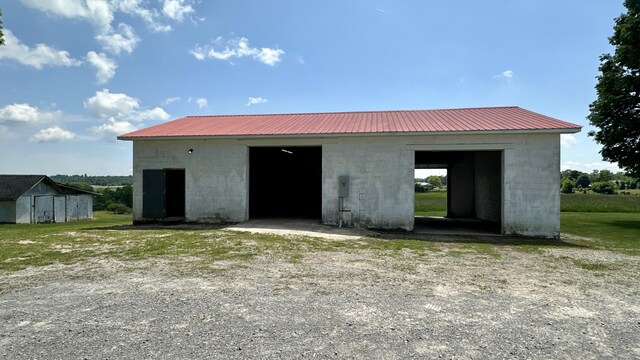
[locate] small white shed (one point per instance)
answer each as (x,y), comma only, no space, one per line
(38,199)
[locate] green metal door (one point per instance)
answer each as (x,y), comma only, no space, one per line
(153,194)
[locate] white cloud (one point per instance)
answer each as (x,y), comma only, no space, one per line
(117,105)
(98,12)
(170,100)
(237,48)
(156,113)
(256,101)
(270,56)
(112,128)
(119,110)
(105,67)
(177,9)
(124,40)
(198,52)
(567,140)
(202,103)
(507,74)
(52,134)
(26,114)
(150,16)
(101,14)
(37,57)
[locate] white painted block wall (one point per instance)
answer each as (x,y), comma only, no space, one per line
(216,182)
(381,176)
(532,187)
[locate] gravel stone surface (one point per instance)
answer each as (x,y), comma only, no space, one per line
(342,304)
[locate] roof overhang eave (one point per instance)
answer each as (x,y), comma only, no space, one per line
(366,134)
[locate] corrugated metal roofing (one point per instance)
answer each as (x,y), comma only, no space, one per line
(395,122)
(13,186)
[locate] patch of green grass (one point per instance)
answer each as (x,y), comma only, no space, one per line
(431,203)
(485,249)
(591,202)
(611,231)
(186,248)
(590,265)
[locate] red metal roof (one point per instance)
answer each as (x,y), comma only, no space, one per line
(370,122)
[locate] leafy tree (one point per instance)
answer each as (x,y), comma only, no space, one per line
(601,176)
(443,180)
(633,185)
(567,186)
(583,181)
(118,208)
(616,111)
(81,185)
(603,188)
(434,180)
(1,34)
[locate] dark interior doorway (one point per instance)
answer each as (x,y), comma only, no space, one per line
(285,182)
(174,193)
(163,194)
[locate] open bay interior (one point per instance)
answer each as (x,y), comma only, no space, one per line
(474,188)
(285,182)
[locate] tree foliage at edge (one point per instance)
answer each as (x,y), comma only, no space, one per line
(616,111)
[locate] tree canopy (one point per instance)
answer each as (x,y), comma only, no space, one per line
(1,34)
(616,111)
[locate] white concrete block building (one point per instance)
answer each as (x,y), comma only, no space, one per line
(503,167)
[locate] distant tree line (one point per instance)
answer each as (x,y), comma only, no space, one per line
(435,180)
(599,181)
(93,180)
(116,196)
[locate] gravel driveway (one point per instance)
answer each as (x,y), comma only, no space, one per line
(340,304)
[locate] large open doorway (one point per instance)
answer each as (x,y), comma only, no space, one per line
(285,182)
(473,190)
(163,194)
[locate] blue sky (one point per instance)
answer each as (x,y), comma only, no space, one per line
(75,73)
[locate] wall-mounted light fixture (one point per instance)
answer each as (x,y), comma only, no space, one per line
(287,151)
(190,151)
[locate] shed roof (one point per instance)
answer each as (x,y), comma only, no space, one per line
(490,119)
(13,186)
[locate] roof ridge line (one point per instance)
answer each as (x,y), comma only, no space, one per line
(352,112)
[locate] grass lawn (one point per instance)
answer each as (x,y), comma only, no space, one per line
(590,202)
(110,236)
(613,221)
(431,203)
(613,231)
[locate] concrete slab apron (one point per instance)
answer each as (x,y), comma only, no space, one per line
(300,227)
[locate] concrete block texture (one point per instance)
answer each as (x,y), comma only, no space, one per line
(380,171)
(215,176)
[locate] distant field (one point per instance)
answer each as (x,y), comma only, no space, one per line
(435,203)
(432,203)
(599,203)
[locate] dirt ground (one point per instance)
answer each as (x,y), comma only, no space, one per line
(507,303)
